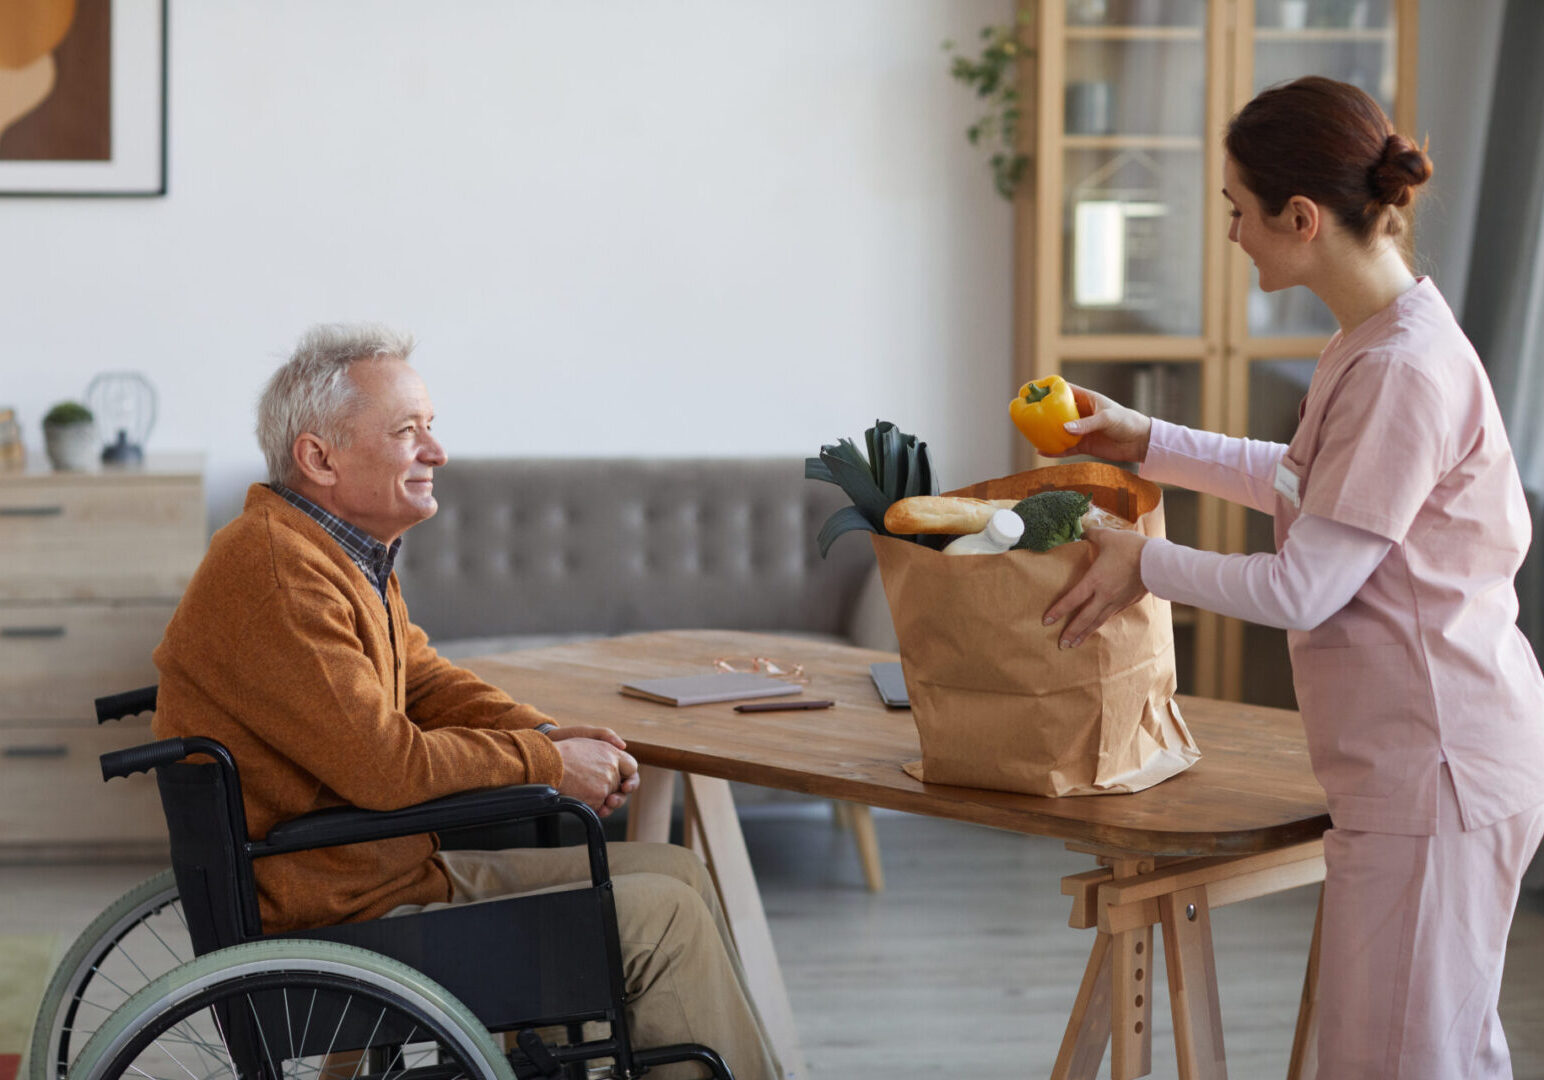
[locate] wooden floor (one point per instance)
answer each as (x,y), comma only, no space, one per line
(963,967)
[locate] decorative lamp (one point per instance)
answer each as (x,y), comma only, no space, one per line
(125,406)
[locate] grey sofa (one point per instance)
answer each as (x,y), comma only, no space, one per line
(527,552)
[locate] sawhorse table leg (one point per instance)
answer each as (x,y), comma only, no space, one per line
(1305,1050)
(1114,1006)
(1125,899)
(1193,998)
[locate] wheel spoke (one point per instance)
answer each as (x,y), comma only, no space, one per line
(201,1045)
(333,1014)
(161,1045)
(310,1011)
(225,1043)
(401,1053)
(332,1045)
(364,1057)
(173,953)
(114,983)
(262,1035)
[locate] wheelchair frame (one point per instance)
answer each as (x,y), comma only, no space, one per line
(213,864)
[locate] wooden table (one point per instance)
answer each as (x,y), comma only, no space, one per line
(1244,821)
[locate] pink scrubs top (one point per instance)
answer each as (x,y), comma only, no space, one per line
(1400,436)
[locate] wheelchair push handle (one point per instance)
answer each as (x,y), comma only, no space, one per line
(166,752)
(143,758)
(128,703)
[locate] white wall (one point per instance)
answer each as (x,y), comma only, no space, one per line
(663,227)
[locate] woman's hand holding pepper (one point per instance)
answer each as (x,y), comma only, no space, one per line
(1112,584)
(1107,429)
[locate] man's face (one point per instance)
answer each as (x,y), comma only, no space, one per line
(385,477)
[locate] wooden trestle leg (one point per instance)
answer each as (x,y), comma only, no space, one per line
(1088,1029)
(1193,998)
(1124,900)
(1305,1056)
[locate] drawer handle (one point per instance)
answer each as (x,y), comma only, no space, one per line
(31,511)
(35,751)
(31,631)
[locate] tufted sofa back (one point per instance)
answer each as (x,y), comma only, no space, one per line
(606,546)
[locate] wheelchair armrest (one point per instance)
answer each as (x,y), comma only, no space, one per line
(349,825)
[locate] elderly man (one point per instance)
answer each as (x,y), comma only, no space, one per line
(293,647)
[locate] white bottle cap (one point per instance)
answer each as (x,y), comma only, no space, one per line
(1005,528)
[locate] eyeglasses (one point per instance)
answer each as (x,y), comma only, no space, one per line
(762,665)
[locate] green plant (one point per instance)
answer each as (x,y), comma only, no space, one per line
(68,412)
(994,76)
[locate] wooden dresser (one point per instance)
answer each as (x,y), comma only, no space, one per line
(91,567)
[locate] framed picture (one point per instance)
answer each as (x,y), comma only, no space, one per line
(83,97)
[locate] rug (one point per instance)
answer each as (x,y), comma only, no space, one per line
(26,961)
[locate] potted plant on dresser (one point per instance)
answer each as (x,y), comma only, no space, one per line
(69,436)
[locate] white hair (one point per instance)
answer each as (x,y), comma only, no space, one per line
(313,393)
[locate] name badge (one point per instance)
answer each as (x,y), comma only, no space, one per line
(1286,484)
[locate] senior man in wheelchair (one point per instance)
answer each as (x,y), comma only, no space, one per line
(293,647)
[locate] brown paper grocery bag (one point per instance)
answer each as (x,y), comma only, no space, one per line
(996,702)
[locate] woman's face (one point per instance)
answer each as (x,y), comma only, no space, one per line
(1269,241)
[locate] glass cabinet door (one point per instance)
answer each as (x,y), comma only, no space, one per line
(1134,118)
(1354,41)
(1127,139)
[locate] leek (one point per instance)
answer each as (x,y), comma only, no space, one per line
(897,467)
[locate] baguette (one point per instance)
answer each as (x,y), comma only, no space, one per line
(941,514)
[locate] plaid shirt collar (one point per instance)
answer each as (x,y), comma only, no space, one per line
(374,559)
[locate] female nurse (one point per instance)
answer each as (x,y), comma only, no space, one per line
(1400,524)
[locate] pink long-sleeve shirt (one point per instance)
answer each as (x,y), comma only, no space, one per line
(1399,523)
(1315,574)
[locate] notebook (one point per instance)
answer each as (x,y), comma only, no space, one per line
(891,684)
(702,689)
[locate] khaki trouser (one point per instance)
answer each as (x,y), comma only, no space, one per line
(682,974)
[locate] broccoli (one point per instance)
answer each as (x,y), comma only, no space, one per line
(1052,518)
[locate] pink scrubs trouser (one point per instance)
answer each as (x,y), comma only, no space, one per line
(1412,947)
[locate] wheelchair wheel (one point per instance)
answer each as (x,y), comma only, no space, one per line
(139,936)
(292,1009)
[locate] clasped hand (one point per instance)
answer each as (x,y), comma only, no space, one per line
(597,769)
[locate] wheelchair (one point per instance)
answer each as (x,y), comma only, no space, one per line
(143,934)
(416,997)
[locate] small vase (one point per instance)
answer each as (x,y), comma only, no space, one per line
(71,447)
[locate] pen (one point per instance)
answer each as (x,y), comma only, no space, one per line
(780,706)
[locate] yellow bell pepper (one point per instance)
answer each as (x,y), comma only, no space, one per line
(1041,409)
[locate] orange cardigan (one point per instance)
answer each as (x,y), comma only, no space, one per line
(281,650)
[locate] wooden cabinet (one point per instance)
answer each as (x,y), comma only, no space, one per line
(1125,279)
(93,565)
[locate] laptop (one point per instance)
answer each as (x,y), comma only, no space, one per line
(891,684)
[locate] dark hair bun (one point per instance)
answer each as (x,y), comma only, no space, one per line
(1402,167)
